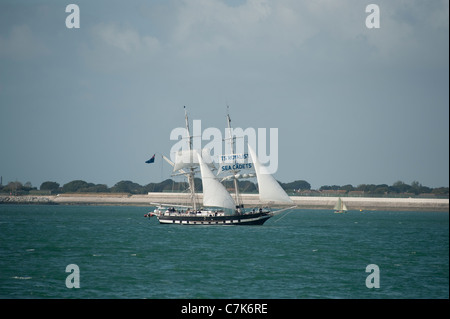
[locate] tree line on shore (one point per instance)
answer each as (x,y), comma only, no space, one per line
(169,185)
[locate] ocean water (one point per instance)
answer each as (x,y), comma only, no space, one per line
(304,254)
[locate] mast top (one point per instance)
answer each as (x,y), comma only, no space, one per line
(189,136)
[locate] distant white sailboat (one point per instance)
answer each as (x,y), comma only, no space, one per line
(340,207)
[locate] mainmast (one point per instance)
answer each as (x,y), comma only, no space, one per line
(191,173)
(234,171)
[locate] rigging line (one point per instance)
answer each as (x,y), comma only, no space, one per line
(284,215)
(162,163)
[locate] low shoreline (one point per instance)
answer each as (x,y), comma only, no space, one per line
(250,200)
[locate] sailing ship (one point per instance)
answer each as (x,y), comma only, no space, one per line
(218,206)
(340,207)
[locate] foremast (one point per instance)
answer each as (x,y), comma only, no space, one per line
(191,174)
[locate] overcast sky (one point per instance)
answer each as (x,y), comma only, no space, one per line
(352,105)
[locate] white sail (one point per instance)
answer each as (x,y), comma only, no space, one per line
(214,193)
(188,158)
(338,205)
(206,157)
(269,189)
(185,159)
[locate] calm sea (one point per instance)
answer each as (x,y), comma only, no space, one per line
(304,254)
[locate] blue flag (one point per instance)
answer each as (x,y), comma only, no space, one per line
(152,160)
